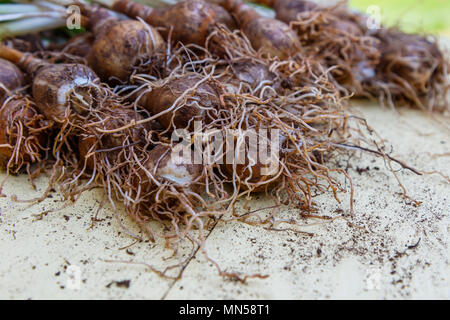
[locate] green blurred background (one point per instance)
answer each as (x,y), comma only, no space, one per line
(431,16)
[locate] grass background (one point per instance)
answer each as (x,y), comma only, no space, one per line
(431,16)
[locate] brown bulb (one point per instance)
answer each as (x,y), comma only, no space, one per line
(122,45)
(186,21)
(287,10)
(17,119)
(60,86)
(270,36)
(114,117)
(80,45)
(252,73)
(161,167)
(204,96)
(26,43)
(11,78)
(164,165)
(348,27)
(415,60)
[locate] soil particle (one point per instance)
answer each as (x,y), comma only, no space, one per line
(119,284)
